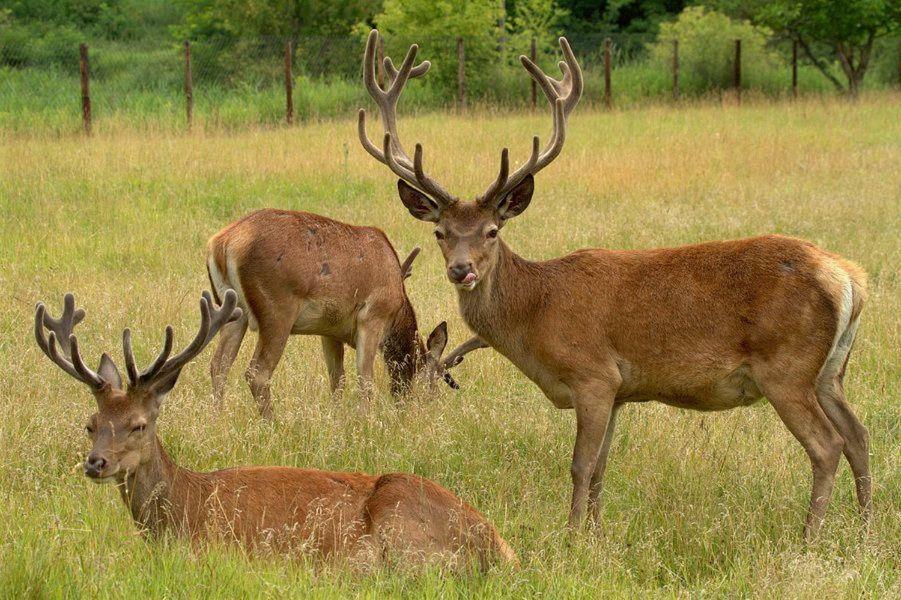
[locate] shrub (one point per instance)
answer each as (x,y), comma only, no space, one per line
(706,50)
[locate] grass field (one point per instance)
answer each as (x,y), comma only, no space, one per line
(695,504)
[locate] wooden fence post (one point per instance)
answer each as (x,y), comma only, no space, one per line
(289,85)
(189,86)
(85,89)
(380,70)
(676,70)
(533,54)
(794,69)
(736,71)
(461,74)
(608,93)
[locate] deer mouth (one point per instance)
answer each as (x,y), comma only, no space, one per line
(469,282)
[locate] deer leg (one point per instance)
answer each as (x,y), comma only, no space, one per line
(831,397)
(333,350)
(369,336)
(597,478)
(593,407)
(230,338)
(269,350)
(798,408)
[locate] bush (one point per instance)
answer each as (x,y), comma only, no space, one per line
(707,48)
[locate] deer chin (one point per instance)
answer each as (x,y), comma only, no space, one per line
(102,480)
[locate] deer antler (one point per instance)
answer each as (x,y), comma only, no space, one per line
(67,357)
(563,95)
(392,152)
(456,356)
(163,367)
(406,267)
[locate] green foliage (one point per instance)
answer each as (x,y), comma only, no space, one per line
(435,26)
(707,47)
(826,29)
(101,17)
(541,20)
(282,18)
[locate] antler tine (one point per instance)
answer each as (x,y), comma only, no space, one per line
(563,96)
(211,320)
(392,152)
(130,366)
(429,185)
(63,326)
(87,375)
(501,176)
(150,372)
(456,356)
(406,268)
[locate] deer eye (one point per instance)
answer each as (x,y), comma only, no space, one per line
(89,429)
(492,233)
(439,235)
(139,428)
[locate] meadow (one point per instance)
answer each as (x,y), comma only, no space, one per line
(700,505)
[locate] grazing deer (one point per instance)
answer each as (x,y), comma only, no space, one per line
(709,326)
(300,273)
(285,509)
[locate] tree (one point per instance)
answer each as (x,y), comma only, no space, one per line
(843,29)
(435,25)
(282,18)
(541,20)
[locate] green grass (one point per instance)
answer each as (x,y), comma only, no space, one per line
(706,505)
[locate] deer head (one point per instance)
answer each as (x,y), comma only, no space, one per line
(123,429)
(467,232)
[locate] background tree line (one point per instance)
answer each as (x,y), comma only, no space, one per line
(235,41)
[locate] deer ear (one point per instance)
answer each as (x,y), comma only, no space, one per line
(517,200)
(420,206)
(109,372)
(437,341)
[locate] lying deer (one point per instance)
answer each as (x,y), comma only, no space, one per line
(366,518)
(709,326)
(300,273)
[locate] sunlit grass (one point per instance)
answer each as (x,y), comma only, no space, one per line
(701,504)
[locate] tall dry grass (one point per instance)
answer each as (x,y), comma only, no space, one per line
(695,504)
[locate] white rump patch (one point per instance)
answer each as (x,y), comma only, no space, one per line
(230,282)
(844,333)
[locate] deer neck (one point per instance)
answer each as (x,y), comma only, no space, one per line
(504,300)
(402,346)
(155,493)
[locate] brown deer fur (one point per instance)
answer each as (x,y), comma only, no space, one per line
(709,326)
(301,273)
(369,520)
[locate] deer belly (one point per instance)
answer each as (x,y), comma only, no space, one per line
(319,317)
(721,391)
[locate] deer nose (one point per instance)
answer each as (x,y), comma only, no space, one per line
(459,271)
(94,465)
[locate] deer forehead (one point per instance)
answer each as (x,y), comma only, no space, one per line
(464,218)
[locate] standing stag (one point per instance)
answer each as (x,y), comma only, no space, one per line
(708,326)
(367,519)
(300,273)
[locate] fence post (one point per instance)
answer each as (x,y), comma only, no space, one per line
(736,72)
(189,86)
(608,94)
(794,69)
(85,89)
(461,74)
(380,70)
(533,54)
(289,85)
(676,70)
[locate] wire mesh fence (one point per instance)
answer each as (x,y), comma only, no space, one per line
(268,80)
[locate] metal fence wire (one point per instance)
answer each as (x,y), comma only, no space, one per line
(233,82)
